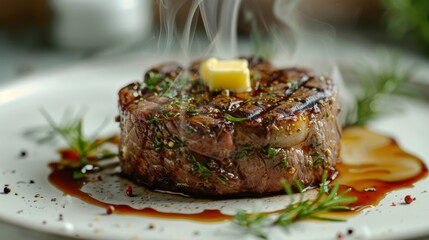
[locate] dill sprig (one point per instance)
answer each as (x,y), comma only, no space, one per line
(327,200)
(378,84)
(71,131)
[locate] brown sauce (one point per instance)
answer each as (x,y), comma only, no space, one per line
(372,165)
(62,178)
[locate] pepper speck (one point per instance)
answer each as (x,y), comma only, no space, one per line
(408,199)
(129,191)
(110,209)
(23,153)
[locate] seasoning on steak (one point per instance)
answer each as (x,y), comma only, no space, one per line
(178,136)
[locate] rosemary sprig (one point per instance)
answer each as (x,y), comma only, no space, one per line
(325,201)
(72,133)
(377,85)
(254,223)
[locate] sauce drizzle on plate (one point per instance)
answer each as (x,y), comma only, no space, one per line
(372,165)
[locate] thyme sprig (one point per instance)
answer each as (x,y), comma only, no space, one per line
(327,200)
(71,132)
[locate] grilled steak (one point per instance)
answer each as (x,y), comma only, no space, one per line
(178,136)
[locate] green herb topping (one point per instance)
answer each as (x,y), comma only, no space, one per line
(270,152)
(198,168)
(234,119)
(245,151)
(71,132)
(326,201)
(156,82)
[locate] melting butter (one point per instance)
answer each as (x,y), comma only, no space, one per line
(233,74)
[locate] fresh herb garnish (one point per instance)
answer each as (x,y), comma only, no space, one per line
(256,77)
(154,118)
(78,174)
(377,85)
(270,152)
(158,83)
(192,111)
(231,118)
(253,223)
(285,162)
(198,168)
(152,81)
(243,153)
(157,142)
(271,94)
(325,201)
(86,149)
(173,87)
(294,84)
(319,158)
(171,114)
(222,179)
(318,161)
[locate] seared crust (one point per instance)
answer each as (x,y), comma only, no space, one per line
(178,136)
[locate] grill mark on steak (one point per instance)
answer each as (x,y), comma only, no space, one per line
(288,92)
(290,112)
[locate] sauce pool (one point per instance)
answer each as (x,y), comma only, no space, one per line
(372,166)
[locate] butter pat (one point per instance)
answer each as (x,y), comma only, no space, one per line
(229,74)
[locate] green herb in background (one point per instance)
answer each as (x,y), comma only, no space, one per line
(376,85)
(409,18)
(327,200)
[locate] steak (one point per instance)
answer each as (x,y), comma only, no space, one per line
(178,136)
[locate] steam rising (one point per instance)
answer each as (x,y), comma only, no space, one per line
(292,39)
(289,35)
(220,23)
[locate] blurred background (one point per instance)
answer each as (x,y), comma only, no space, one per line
(45,34)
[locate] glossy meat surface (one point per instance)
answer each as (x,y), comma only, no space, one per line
(178,136)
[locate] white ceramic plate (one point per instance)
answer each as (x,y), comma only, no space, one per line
(93,86)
